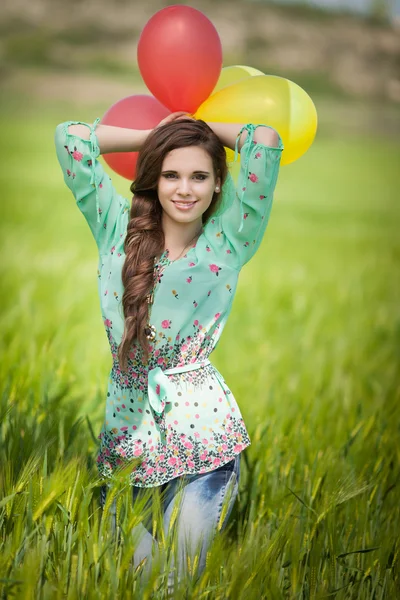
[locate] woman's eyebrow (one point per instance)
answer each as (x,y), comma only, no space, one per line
(172,171)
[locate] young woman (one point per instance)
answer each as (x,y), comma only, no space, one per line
(169,263)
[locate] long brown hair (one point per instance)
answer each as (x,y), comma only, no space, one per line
(145,237)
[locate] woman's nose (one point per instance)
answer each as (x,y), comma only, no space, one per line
(183,187)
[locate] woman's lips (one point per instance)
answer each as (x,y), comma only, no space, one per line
(185,205)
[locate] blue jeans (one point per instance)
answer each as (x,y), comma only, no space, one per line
(203,504)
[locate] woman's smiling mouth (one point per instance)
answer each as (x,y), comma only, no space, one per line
(184,205)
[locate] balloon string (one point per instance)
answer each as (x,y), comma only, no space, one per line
(94,151)
(250,128)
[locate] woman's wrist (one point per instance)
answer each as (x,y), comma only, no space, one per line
(120,139)
(228,132)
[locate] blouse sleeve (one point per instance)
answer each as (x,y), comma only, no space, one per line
(240,228)
(103,208)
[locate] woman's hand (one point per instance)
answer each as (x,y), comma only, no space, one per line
(174,117)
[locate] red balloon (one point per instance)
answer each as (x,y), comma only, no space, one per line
(180,57)
(135,112)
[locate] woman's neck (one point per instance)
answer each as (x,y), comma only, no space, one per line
(177,236)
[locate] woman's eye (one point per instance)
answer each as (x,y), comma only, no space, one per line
(199,176)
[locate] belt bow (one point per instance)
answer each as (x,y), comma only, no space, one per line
(160,390)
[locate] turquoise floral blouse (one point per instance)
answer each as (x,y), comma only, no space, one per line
(176,415)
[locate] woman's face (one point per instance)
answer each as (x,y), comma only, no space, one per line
(187,180)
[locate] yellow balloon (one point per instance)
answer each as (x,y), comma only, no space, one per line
(234,74)
(268,100)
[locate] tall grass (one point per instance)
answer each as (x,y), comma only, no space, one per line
(311,352)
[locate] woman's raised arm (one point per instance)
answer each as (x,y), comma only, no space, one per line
(77,148)
(120,139)
(238,231)
(228,133)
(113,139)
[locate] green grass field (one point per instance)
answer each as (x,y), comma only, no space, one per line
(311,353)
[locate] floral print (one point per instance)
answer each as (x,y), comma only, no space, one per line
(183,419)
(215,269)
(183,453)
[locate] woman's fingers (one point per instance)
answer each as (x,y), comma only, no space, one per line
(183,115)
(187,116)
(174,117)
